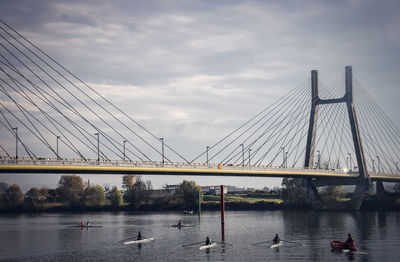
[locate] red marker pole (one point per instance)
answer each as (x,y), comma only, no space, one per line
(222,205)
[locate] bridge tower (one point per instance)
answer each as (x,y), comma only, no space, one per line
(362,183)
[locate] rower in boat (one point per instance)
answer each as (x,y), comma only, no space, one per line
(139,236)
(179,223)
(350,242)
(88,224)
(208,241)
(82,224)
(276,239)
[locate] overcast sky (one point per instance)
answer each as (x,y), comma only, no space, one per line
(191,71)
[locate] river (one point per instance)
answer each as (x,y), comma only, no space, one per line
(50,237)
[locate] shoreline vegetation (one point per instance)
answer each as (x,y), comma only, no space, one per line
(73,195)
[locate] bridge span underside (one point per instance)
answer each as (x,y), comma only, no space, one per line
(319,177)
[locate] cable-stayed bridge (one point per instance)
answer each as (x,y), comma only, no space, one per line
(53,122)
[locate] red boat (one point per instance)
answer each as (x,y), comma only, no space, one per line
(339,245)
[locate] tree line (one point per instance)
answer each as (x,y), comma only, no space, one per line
(73,193)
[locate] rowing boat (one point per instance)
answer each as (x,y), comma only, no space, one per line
(145,240)
(207,246)
(181,226)
(277,245)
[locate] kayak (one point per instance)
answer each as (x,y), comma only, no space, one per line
(207,246)
(277,245)
(145,240)
(339,245)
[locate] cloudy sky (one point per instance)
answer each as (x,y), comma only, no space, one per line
(191,71)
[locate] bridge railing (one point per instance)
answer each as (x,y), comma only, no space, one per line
(41,161)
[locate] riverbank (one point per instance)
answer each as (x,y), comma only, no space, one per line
(370,204)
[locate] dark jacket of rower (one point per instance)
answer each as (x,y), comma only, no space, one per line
(139,236)
(208,241)
(276,239)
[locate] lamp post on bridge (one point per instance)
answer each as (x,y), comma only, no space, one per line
(379,164)
(373,165)
(397,166)
(242,154)
(249,155)
(123,145)
(351,168)
(283,156)
(162,149)
(98,146)
(58,157)
(16,141)
(286,153)
(207,148)
(319,159)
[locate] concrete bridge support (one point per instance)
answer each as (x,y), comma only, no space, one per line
(362,183)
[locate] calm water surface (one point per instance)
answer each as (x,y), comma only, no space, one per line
(49,237)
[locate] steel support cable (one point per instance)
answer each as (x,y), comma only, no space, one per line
(324,122)
(275,105)
(366,121)
(22,109)
(382,139)
(4,149)
(301,136)
(288,121)
(73,111)
(266,131)
(383,119)
(292,96)
(243,132)
(274,126)
(328,136)
(281,118)
(51,105)
(47,116)
(9,128)
(79,128)
(119,110)
(105,122)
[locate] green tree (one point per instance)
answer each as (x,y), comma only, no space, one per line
(396,188)
(127,181)
(115,197)
(332,193)
(188,192)
(94,196)
(13,196)
(137,193)
(70,189)
(33,198)
(292,191)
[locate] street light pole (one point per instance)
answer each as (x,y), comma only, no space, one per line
(286,158)
(379,164)
(351,168)
(373,165)
(242,153)
(207,148)
(162,148)
(123,143)
(58,137)
(16,141)
(319,159)
(397,166)
(98,146)
(249,155)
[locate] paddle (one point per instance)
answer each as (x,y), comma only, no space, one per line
(225,243)
(292,242)
(262,242)
(192,244)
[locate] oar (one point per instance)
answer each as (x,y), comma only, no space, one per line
(262,242)
(225,243)
(292,242)
(192,244)
(126,239)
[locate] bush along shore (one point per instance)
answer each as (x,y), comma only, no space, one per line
(72,194)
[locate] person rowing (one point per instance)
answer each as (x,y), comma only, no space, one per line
(139,236)
(208,241)
(350,242)
(82,224)
(179,223)
(276,239)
